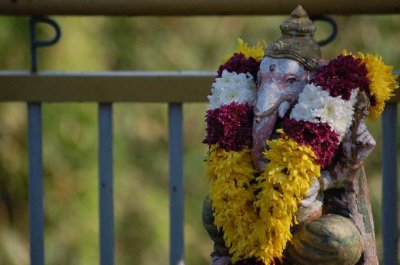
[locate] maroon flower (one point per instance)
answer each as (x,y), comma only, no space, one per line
(239,64)
(319,136)
(341,75)
(230,126)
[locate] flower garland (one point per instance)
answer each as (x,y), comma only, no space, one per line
(229,165)
(255,212)
(380,76)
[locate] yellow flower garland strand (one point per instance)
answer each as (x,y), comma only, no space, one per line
(284,183)
(232,195)
(259,225)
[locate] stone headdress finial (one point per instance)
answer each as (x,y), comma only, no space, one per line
(297,41)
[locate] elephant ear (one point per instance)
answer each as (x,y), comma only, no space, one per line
(308,75)
(321,63)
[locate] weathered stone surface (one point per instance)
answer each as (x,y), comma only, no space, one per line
(329,240)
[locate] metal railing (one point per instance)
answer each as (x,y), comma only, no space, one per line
(177,87)
(195,7)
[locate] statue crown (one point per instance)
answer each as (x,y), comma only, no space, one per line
(297,41)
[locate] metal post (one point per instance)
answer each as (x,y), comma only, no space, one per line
(176,204)
(106,202)
(389,185)
(36,218)
(35,156)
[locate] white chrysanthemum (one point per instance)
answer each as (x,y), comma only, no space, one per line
(302,111)
(232,87)
(313,95)
(338,113)
(316,105)
(312,98)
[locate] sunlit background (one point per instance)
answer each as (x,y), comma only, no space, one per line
(140,132)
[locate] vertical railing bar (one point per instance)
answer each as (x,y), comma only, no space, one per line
(35,161)
(389,184)
(106,202)
(36,212)
(176,243)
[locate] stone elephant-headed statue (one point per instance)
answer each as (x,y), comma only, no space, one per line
(287,140)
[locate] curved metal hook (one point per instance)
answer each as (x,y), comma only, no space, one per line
(333,25)
(41,43)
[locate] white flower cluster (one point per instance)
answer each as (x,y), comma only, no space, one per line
(316,105)
(232,87)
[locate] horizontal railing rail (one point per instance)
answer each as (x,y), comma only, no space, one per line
(105,86)
(195,7)
(134,86)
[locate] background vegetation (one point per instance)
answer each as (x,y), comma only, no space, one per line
(140,132)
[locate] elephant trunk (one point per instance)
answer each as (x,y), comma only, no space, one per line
(265,121)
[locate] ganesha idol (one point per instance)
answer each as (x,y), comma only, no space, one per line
(287,138)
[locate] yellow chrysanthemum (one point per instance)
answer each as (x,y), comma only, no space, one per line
(256,52)
(285,181)
(232,194)
(382,81)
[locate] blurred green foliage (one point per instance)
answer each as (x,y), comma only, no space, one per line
(140,131)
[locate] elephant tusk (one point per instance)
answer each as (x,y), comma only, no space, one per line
(283,108)
(258,115)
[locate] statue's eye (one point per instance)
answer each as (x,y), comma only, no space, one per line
(291,80)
